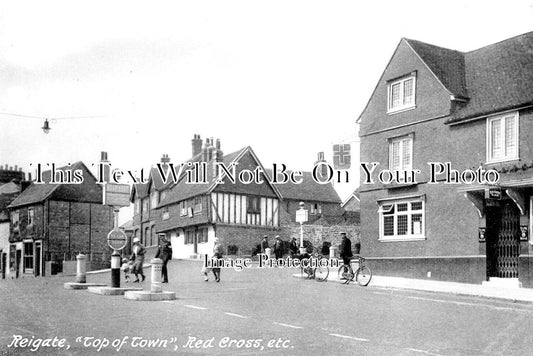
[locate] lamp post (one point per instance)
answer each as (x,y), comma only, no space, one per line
(301,217)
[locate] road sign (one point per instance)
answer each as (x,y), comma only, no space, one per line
(117,194)
(301,215)
(116,239)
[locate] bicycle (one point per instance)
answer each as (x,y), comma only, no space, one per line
(319,273)
(363,273)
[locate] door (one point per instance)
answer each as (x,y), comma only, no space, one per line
(196,232)
(4,258)
(37,267)
(503,240)
(17,263)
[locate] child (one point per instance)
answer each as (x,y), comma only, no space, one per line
(127,267)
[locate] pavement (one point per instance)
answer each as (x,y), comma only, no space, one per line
(524,295)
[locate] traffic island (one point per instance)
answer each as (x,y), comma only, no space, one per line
(156,292)
(81,271)
(112,290)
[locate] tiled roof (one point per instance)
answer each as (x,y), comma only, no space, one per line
(308,190)
(37,193)
(494,78)
(448,65)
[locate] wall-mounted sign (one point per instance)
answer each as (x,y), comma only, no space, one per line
(523,233)
(495,193)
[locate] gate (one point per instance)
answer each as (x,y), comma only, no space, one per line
(503,241)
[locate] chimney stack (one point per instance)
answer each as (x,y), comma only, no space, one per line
(196,145)
(323,168)
(165,158)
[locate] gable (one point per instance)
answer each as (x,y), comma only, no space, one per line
(432,99)
(88,191)
(246,162)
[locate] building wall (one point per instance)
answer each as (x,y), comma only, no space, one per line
(246,238)
(289,208)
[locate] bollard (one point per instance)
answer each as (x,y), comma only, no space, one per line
(157,266)
(81,268)
(115,269)
(268,252)
(331,252)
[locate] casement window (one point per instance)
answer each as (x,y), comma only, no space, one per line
(401,94)
(253,205)
(502,138)
(202,235)
(165,213)
(30,216)
(162,195)
(15,218)
(183,208)
(197,204)
(137,206)
(401,153)
(315,209)
(145,205)
(189,237)
(402,220)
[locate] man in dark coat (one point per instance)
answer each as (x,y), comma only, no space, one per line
(294,247)
(165,254)
(346,249)
(264,244)
(278,248)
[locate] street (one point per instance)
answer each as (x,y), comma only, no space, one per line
(256,311)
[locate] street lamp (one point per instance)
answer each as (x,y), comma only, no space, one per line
(301,217)
(46,127)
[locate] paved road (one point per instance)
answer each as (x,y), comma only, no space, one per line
(264,311)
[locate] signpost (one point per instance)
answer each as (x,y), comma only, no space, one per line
(117,196)
(301,217)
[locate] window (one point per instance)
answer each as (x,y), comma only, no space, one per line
(137,206)
(316,209)
(189,237)
(253,205)
(183,208)
(401,94)
(401,154)
(401,220)
(145,205)
(15,219)
(154,199)
(30,216)
(165,213)
(197,204)
(202,235)
(502,138)
(28,257)
(162,195)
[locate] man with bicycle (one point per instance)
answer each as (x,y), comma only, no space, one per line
(346,249)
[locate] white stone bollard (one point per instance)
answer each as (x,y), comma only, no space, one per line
(157,267)
(81,268)
(268,252)
(331,252)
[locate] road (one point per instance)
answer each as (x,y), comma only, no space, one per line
(254,312)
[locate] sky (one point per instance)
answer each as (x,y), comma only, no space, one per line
(139,79)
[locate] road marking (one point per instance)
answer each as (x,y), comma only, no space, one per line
(349,337)
(194,307)
(237,315)
(470,304)
(423,351)
(289,326)
(168,302)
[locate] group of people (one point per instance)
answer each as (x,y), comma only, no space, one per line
(135,263)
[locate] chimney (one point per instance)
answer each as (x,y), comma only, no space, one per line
(323,168)
(196,145)
(165,159)
(107,169)
(220,154)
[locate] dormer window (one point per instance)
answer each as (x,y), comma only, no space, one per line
(502,138)
(401,94)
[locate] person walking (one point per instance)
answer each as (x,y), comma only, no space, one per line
(217,255)
(346,249)
(264,244)
(278,247)
(165,254)
(138,259)
(294,247)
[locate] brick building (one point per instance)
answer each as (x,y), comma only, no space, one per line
(50,222)
(471,109)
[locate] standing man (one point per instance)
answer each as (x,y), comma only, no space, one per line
(346,249)
(165,254)
(264,244)
(278,247)
(294,247)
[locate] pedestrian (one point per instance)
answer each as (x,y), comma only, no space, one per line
(217,255)
(138,259)
(294,248)
(346,249)
(126,267)
(165,254)
(264,244)
(278,247)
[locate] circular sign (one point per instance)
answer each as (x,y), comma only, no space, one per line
(117,239)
